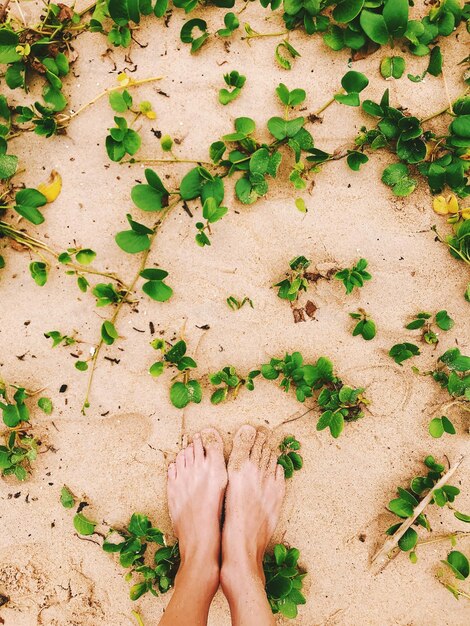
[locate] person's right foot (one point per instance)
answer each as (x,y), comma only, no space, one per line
(254,496)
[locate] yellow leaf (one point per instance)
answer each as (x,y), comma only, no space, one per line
(52,188)
(123,79)
(466,213)
(439,205)
(300,204)
(452,204)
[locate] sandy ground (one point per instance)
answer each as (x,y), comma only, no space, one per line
(115,457)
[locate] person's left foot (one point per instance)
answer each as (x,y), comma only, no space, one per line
(196,487)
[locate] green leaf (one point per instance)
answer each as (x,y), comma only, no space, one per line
(85,256)
(444,321)
(435,62)
(354,82)
(108,333)
(66,498)
(462,517)
(8,165)
(355,159)
(138,590)
(157,290)
(375,27)
(179,395)
(83,525)
(395,15)
(27,203)
(347,10)
(139,525)
(409,540)
(436,428)
(279,587)
(132,242)
(458,563)
(8,43)
(280,553)
(392,67)
(45,404)
(401,507)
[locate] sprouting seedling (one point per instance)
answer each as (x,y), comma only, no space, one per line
(403,351)
(290,459)
(285,53)
(339,404)
(58,338)
(440,425)
(212,212)
(365,326)
(291,287)
(392,67)
(235,80)
(121,140)
(107,294)
(457,563)
(231,22)
(284,580)
(422,321)
(131,545)
(236,304)
(20,449)
(354,277)
(231,383)
(181,392)
(410,503)
(352,83)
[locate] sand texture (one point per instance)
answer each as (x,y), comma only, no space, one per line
(115,457)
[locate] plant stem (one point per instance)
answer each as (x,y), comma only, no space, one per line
(327,104)
(175,160)
(138,618)
(259,35)
(129,290)
(392,541)
(446,109)
(106,92)
(457,534)
(36,244)
(90,7)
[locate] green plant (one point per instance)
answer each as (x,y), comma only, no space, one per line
(290,459)
(20,448)
(408,499)
(284,580)
(365,326)
(354,277)
(185,391)
(392,67)
(440,425)
(421,321)
(457,563)
(233,79)
(131,545)
(290,288)
(453,374)
(403,351)
(231,383)
(236,305)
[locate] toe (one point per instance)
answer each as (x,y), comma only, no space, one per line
(280,476)
(212,441)
(180,462)
(272,464)
(198,448)
(172,471)
(257,448)
(189,455)
(242,444)
(265,457)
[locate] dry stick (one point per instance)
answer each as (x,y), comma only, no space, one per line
(392,541)
(129,290)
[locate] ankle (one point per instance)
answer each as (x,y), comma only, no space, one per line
(201,570)
(240,574)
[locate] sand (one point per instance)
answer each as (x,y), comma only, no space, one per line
(115,457)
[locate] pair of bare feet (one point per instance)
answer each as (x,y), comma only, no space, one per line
(252,486)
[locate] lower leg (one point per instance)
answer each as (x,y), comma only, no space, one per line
(196,486)
(253,502)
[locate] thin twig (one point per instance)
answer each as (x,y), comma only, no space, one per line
(392,541)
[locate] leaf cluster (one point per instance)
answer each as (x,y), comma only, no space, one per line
(284,580)
(290,459)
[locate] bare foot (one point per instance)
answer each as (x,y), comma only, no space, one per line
(196,487)
(255,492)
